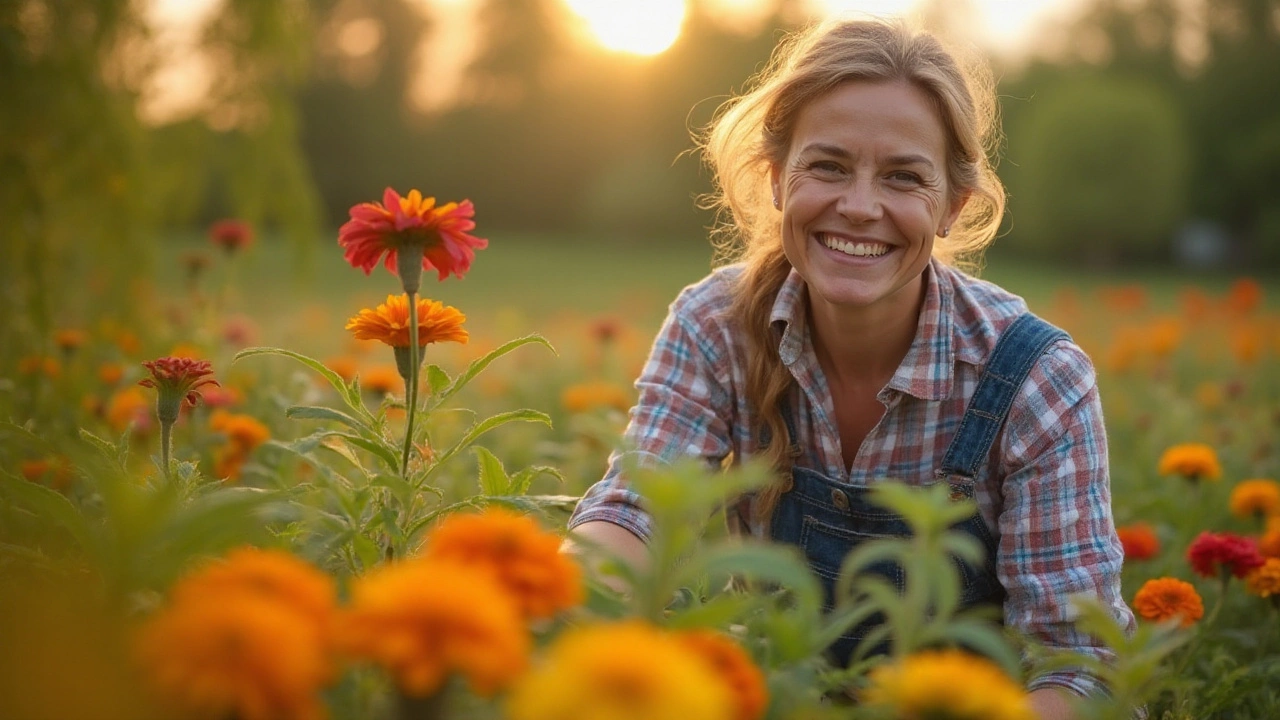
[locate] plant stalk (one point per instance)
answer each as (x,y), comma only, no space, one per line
(411,382)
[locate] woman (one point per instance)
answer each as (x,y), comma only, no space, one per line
(846,347)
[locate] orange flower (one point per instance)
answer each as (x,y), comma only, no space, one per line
(1244,296)
(947,684)
(1255,498)
(586,396)
(231,235)
(422,620)
(525,558)
(413,224)
(380,380)
(57,470)
(732,664)
(1167,598)
(1269,543)
(344,366)
(243,431)
(70,340)
(1265,580)
(40,365)
(1139,541)
(389,323)
(1193,461)
(128,407)
(110,373)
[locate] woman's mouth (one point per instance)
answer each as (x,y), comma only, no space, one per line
(854,248)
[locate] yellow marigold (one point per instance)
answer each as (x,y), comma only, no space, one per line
(1269,542)
(948,684)
(244,432)
(1167,598)
(422,620)
(389,322)
(1194,461)
(524,557)
(236,655)
(129,406)
(1255,498)
(1265,580)
(732,664)
(381,380)
(623,670)
(272,574)
(595,394)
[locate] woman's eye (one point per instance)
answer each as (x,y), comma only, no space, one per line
(826,166)
(904,176)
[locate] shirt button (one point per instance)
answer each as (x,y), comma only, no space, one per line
(839,499)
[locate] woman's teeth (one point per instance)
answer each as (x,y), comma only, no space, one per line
(851,248)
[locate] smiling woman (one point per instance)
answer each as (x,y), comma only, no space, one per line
(639,27)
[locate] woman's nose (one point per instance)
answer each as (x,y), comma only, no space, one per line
(859,202)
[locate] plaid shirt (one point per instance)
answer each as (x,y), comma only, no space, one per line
(1045,492)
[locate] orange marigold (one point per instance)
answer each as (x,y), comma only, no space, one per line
(947,683)
(732,664)
(244,432)
(525,558)
(1255,498)
(126,407)
(380,380)
(1139,541)
(345,367)
(272,574)
(234,655)
(411,224)
(422,620)
(1269,542)
(70,340)
(1194,461)
(1167,598)
(586,396)
(389,323)
(1265,580)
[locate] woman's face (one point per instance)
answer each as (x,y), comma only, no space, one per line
(863,191)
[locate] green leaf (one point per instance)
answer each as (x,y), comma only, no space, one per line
(436,379)
(109,450)
(315,412)
(493,477)
(474,433)
(769,563)
(478,366)
(350,393)
(521,481)
(49,505)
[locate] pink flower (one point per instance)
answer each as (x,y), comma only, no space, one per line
(411,223)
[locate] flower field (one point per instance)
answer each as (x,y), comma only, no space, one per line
(222,506)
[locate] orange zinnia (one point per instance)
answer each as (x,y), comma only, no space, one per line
(1139,541)
(732,664)
(1167,598)
(1193,461)
(411,223)
(1264,581)
(1255,498)
(525,558)
(389,323)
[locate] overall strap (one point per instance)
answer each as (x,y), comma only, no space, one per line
(1017,351)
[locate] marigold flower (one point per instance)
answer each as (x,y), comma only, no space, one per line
(627,669)
(176,380)
(245,432)
(271,574)
(947,683)
(732,664)
(380,380)
(110,373)
(1194,461)
(1269,542)
(55,470)
(70,340)
(1217,554)
(389,323)
(1168,598)
(587,396)
(231,235)
(128,406)
(1264,581)
(422,620)
(1244,296)
(40,365)
(1255,498)
(411,224)
(344,366)
(525,558)
(1139,541)
(234,655)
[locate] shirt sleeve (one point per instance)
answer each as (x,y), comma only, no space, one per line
(684,409)
(1057,533)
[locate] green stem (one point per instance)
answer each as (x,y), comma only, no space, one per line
(166,444)
(411,383)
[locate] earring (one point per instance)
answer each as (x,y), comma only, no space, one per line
(776,204)
(946,231)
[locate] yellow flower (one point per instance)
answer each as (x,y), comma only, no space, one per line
(947,685)
(422,620)
(732,664)
(1194,461)
(1255,498)
(623,670)
(593,394)
(389,323)
(1265,580)
(525,558)
(234,655)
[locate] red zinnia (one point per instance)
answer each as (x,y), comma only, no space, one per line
(1215,554)
(176,379)
(411,223)
(1139,541)
(231,235)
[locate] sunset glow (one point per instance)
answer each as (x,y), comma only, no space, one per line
(640,27)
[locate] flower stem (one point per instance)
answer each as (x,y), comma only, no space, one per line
(411,382)
(166,445)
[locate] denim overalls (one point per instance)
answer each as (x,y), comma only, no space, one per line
(828,519)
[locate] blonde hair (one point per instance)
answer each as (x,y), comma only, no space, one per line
(751,134)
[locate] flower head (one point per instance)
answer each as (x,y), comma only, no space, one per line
(1139,541)
(732,664)
(587,396)
(244,432)
(231,235)
(525,558)
(1167,598)
(415,225)
(587,674)
(272,574)
(69,340)
(1255,498)
(1220,554)
(380,379)
(1264,581)
(1194,461)
(128,407)
(423,620)
(1269,541)
(176,379)
(389,323)
(947,684)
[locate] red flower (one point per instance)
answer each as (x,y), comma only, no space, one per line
(412,223)
(1139,541)
(176,379)
(1215,554)
(231,235)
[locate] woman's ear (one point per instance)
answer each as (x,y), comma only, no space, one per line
(953,212)
(775,183)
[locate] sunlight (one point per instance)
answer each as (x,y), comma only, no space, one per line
(640,27)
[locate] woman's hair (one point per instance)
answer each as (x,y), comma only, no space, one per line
(752,133)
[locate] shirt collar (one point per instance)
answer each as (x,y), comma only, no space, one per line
(929,366)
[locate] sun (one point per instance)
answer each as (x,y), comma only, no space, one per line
(639,27)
